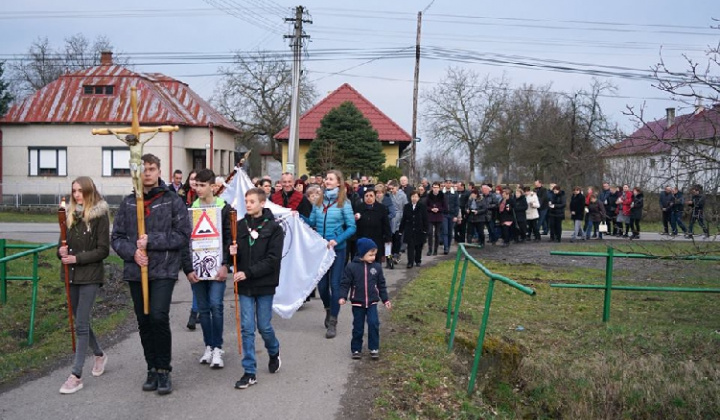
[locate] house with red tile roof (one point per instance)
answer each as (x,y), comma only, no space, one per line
(393,138)
(677,151)
(46,139)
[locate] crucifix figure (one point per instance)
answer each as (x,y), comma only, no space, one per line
(132,139)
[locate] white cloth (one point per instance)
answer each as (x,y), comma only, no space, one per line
(306,256)
(533,205)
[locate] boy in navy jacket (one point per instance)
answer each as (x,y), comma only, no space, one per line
(364,279)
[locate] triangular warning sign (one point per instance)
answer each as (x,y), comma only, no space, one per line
(205,228)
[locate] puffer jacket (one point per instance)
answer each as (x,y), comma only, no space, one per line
(491,203)
(333,222)
(519,206)
(365,283)
(558,201)
(399,200)
(596,211)
(260,261)
(167,225)
(533,202)
(89,241)
(636,207)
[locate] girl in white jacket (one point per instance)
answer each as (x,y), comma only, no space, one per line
(532,214)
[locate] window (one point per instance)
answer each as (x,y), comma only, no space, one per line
(47,161)
(116,161)
(652,163)
(98,90)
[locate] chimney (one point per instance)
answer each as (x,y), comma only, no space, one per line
(106,58)
(670,116)
(699,106)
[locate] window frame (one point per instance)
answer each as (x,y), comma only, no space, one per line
(123,172)
(60,166)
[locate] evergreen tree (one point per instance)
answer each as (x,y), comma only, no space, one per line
(5,97)
(345,141)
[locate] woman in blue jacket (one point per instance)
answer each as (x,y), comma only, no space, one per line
(334,220)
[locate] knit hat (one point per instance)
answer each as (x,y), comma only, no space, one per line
(364,245)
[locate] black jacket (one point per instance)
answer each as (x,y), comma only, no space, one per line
(596,211)
(558,201)
(89,241)
(505,211)
(260,261)
(611,207)
(542,195)
(452,203)
(491,203)
(167,225)
(697,204)
(519,206)
(187,260)
(577,207)
(414,224)
(637,206)
(365,282)
(374,223)
(679,203)
(475,211)
(667,201)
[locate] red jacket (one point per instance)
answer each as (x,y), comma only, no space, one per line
(627,199)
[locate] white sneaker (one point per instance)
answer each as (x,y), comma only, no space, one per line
(217,361)
(207,356)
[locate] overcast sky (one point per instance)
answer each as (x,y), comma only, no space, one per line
(588,36)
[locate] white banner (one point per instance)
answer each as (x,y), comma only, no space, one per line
(306,256)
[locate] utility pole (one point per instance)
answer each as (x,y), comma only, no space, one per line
(413,151)
(296,43)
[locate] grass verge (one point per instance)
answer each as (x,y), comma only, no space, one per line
(52,340)
(659,357)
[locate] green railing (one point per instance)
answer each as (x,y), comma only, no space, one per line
(34,251)
(454,311)
(610,255)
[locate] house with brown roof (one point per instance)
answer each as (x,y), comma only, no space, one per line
(46,139)
(393,138)
(677,151)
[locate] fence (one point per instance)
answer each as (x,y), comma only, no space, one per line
(49,195)
(455,310)
(609,256)
(33,250)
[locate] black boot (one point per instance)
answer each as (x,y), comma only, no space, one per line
(164,385)
(327,318)
(151,383)
(192,321)
(332,328)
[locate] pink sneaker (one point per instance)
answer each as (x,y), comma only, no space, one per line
(72,385)
(99,365)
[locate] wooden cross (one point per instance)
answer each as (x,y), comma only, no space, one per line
(132,139)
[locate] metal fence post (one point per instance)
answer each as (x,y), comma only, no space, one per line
(31,334)
(3,273)
(481,335)
(452,285)
(457,305)
(608,283)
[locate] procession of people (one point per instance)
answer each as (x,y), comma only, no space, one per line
(365,224)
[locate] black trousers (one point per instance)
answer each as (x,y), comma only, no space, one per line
(154,328)
(414,252)
(476,228)
(555,227)
(533,228)
(666,220)
(433,236)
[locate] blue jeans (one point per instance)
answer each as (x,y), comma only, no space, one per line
(676,220)
(448,231)
(258,308)
(543,221)
(492,233)
(329,284)
(210,294)
(360,314)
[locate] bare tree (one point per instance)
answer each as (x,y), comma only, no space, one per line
(255,94)
(462,111)
(43,63)
(444,165)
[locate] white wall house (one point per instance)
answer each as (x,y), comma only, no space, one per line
(680,152)
(46,140)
